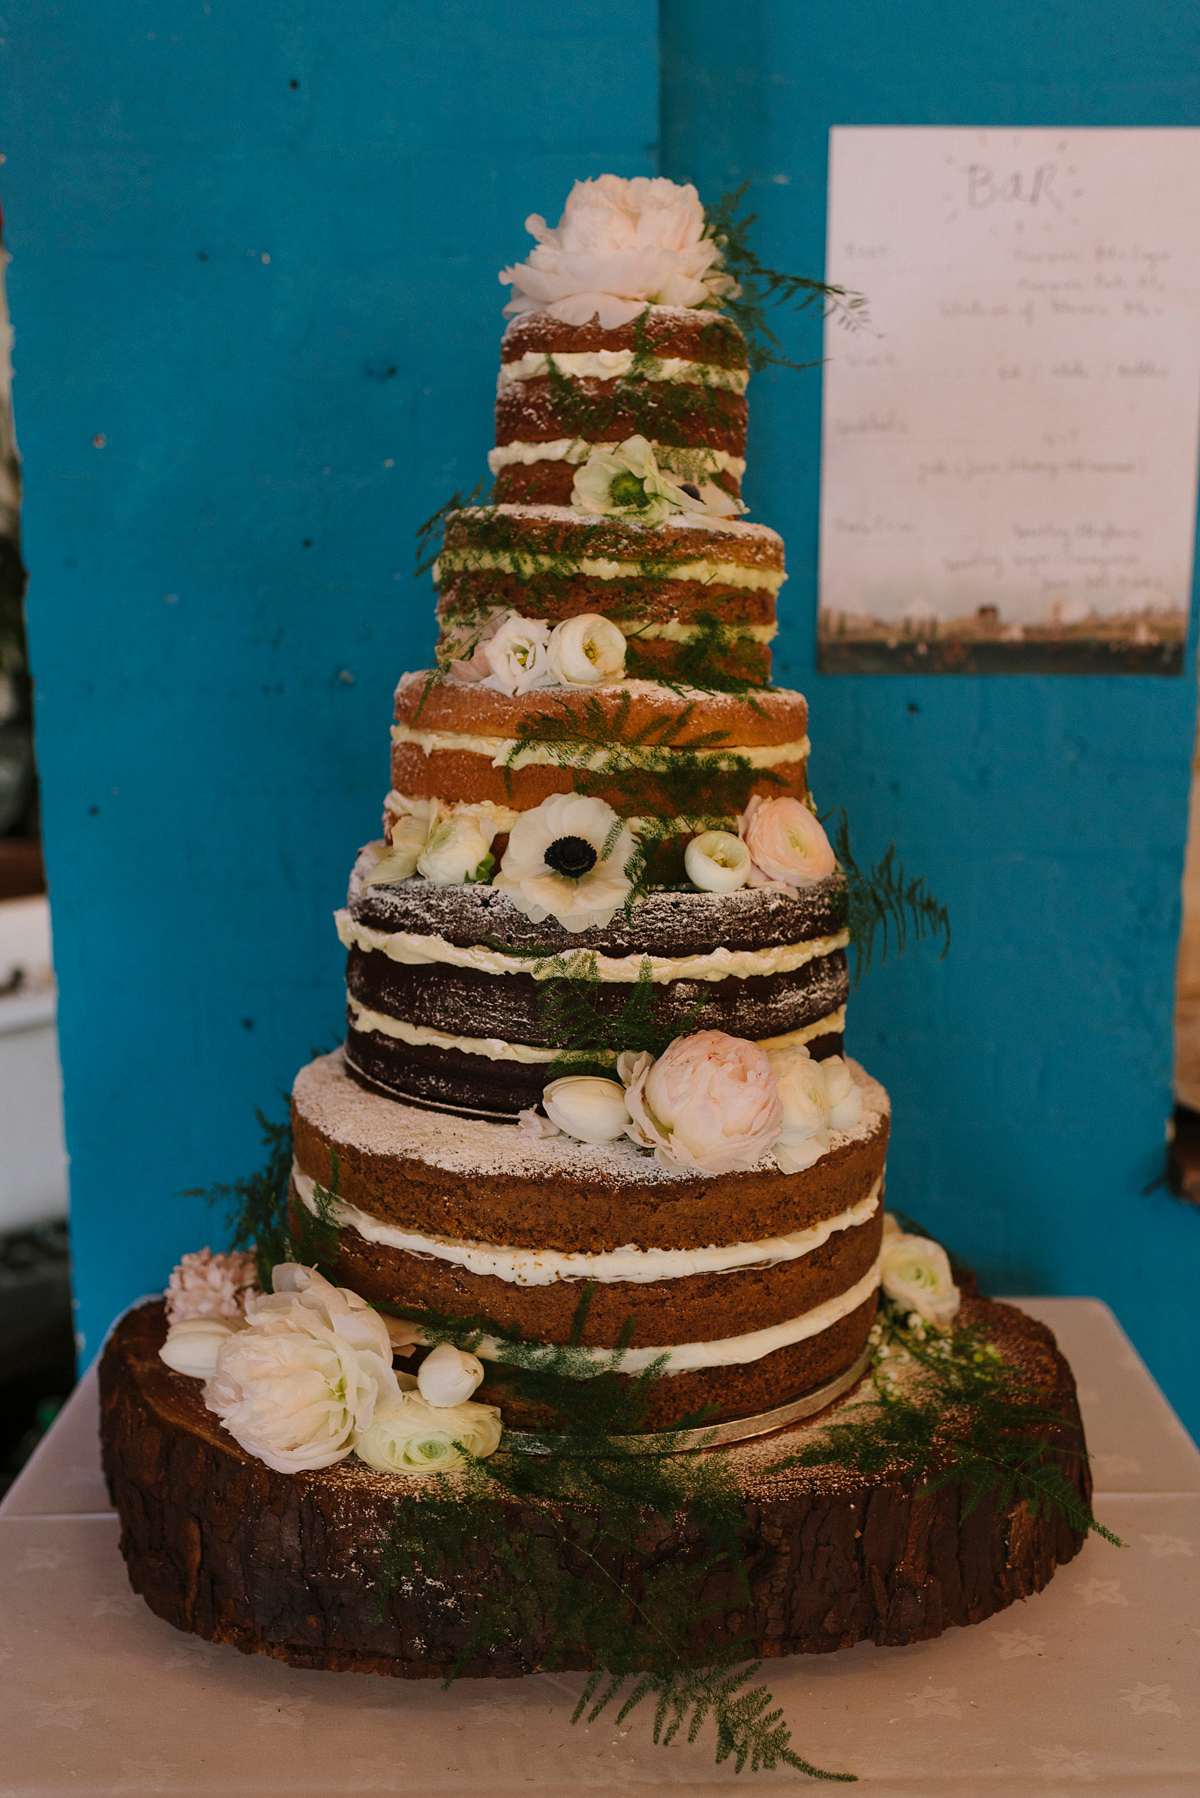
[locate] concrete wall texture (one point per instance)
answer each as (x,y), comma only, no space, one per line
(253,285)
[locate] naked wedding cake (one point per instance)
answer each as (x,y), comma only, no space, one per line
(593,1100)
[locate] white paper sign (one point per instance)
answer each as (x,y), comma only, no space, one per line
(1009,450)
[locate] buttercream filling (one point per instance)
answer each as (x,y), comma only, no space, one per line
(506,752)
(726,1351)
(719,964)
(578,449)
(707,572)
(610,365)
(494,1048)
(545,1267)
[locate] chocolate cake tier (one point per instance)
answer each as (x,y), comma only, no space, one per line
(287,1565)
(463,744)
(674,377)
(663,585)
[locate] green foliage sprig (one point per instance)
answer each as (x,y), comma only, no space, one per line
(951,1411)
(719,658)
(431,532)
(883,901)
(763,287)
(256,1206)
(589,1037)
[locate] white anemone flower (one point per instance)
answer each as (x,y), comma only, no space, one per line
(626,482)
(566,860)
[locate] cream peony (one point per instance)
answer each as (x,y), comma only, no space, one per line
(619,247)
(307,1374)
(717,862)
(626,482)
(787,844)
(566,860)
(409,837)
(516,655)
(845,1098)
(916,1276)
(448,1376)
(458,851)
(410,1435)
(208,1285)
(586,650)
(587,1107)
(804,1096)
(707,1105)
(193,1343)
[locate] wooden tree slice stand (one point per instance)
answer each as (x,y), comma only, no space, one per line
(287,1564)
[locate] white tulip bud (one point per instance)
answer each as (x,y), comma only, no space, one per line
(717,862)
(586,650)
(193,1344)
(588,1108)
(448,1376)
(456,849)
(845,1098)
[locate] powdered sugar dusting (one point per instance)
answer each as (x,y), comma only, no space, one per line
(347,1113)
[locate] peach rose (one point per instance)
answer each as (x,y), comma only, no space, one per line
(708,1104)
(786,843)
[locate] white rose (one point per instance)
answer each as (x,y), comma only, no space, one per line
(409,837)
(717,862)
(708,1104)
(586,650)
(619,246)
(193,1343)
(412,1436)
(800,1083)
(587,1107)
(306,1375)
(516,656)
(448,1376)
(845,1098)
(457,849)
(916,1276)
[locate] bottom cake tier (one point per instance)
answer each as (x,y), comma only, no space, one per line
(288,1565)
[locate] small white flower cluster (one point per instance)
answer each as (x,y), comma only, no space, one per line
(710,1104)
(305,1379)
(625,481)
(780,844)
(516,655)
(619,246)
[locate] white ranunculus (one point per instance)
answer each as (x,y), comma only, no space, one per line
(787,843)
(193,1343)
(626,482)
(516,656)
(566,860)
(306,1375)
(845,1098)
(448,1376)
(587,1107)
(412,1436)
(804,1096)
(708,1105)
(916,1276)
(717,862)
(586,650)
(409,837)
(458,851)
(619,246)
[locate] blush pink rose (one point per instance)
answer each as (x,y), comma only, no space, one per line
(786,843)
(708,1105)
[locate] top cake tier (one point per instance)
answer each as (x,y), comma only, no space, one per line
(675,376)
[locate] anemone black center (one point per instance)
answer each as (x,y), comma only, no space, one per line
(689,487)
(572,856)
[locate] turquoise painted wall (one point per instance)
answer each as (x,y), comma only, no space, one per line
(254,249)
(221,600)
(1030,1072)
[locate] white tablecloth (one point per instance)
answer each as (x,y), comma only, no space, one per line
(1095,1683)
